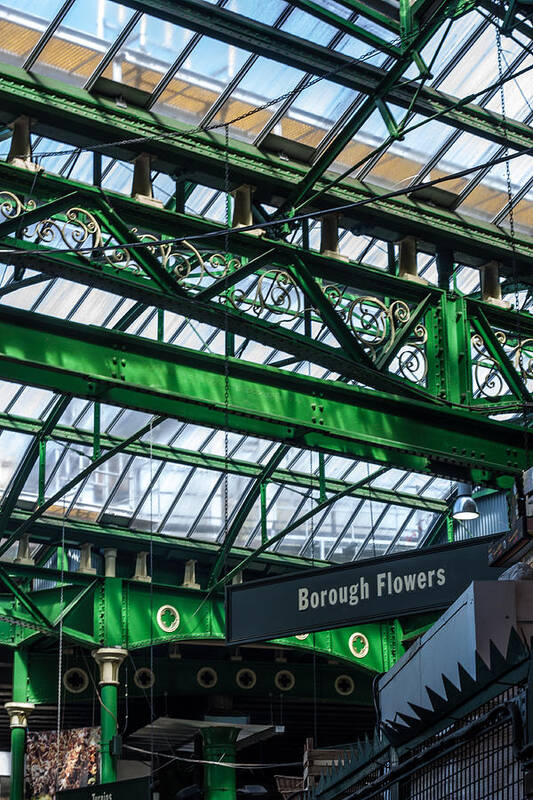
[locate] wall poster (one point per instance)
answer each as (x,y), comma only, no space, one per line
(72,765)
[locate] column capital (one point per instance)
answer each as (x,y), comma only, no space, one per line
(18,713)
(109,660)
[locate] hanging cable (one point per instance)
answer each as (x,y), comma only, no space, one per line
(520,360)
(226,338)
(60,654)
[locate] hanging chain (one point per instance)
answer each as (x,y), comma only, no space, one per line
(226,338)
(510,202)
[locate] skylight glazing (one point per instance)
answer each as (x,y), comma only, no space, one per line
(207,82)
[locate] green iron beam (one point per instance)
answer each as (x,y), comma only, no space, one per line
(246,33)
(263,401)
(212,461)
(77,117)
(49,528)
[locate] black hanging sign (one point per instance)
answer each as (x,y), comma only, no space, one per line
(375,589)
(137,788)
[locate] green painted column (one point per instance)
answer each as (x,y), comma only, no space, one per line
(109,660)
(220,746)
(19,711)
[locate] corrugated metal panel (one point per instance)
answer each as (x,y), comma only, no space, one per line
(493,518)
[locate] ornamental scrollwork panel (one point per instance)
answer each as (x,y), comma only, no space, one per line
(78,228)
(12,206)
(270,292)
(273,292)
(488,380)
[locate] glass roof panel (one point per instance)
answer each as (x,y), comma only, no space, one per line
(156,504)
(356,533)
(21,27)
(13,445)
(207,70)
(314,111)
(82,39)
(264,82)
(258,10)
(308,27)
(415,531)
(148,52)
(385,531)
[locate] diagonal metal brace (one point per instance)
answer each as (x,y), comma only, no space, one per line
(387,356)
(23,599)
(245,508)
(513,378)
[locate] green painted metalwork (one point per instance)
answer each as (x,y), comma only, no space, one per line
(220,745)
(173,381)
(332,319)
(108,721)
(97,611)
(73,482)
(495,349)
(212,461)
(18,734)
(246,505)
(79,117)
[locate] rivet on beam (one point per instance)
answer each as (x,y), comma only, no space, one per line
(242,208)
(141,570)
(141,188)
(491,291)
(407,265)
(329,237)
(23,553)
(20,150)
(86,567)
(189,579)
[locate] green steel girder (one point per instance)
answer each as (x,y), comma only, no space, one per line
(225,25)
(172,673)
(115,611)
(306,412)
(50,529)
(211,461)
(350,360)
(75,116)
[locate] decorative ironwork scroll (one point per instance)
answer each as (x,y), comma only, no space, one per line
(488,380)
